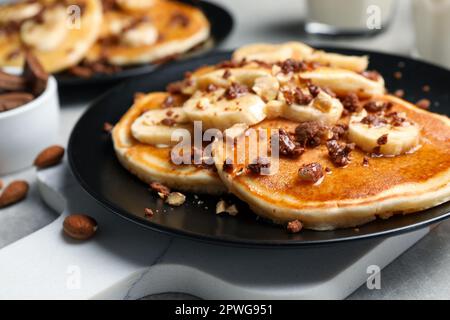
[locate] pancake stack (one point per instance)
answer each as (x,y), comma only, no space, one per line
(92,36)
(336,150)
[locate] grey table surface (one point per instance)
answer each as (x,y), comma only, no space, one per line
(423,272)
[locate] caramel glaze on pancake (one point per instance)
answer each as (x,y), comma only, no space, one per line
(174,38)
(363,190)
(151,163)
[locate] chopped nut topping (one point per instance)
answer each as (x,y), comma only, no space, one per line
(161,189)
(259,164)
(175,87)
(168,122)
(179,19)
(395,119)
(426,88)
(175,199)
(235,91)
(311,172)
(399,93)
(310,133)
(223,207)
(339,131)
(339,153)
(377,106)
(382,140)
(291,65)
(107,127)
(296,96)
(294,226)
(148,212)
(373,120)
(398,75)
(314,90)
(423,104)
(351,102)
(226,74)
(287,146)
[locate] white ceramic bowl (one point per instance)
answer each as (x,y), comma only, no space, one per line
(28,129)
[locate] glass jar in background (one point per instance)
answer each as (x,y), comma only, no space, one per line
(348,17)
(432,30)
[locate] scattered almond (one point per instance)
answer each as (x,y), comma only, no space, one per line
(426,88)
(107,127)
(80,226)
(399,93)
(14,192)
(148,212)
(223,207)
(423,104)
(162,191)
(175,199)
(294,226)
(49,157)
(398,75)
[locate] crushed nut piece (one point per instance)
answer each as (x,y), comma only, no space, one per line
(176,199)
(423,104)
(161,189)
(311,172)
(294,226)
(339,153)
(351,102)
(259,164)
(310,133)
(235,91)
(287,146)
(399,93)
(148,212)
(382,140)
(107,127)
(398,75)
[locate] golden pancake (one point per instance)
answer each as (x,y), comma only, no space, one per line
(51,30)
(151,163)
(164,29)
(357,193)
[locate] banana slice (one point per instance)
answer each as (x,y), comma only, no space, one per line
(225,77)
(344,81)
(49,34)
(144,34)
(378,134)
(271,53)
(19,11)
(135,5)
(162,126)
(322,108)
(335,60)
(217,111)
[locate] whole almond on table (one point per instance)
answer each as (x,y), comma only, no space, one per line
(80,226)
(49,157)
(14,192)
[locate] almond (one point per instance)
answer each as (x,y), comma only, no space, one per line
(49,157)
(14,192)
(80,226)
(175,199)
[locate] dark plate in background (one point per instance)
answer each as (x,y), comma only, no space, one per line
(94,164)
(221,23)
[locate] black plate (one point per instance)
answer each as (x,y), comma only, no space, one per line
(95,166)
(221,23)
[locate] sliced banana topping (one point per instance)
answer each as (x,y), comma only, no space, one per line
(300,106)
(335,60)
(343,81)
(223,108)
(269,53)
(135,5)
(19,11)
(143,33)
(48,34)
(266,87)
(387,134)
(162,126)
(224,77)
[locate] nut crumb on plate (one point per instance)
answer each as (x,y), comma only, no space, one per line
(175,199)
(294,226)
